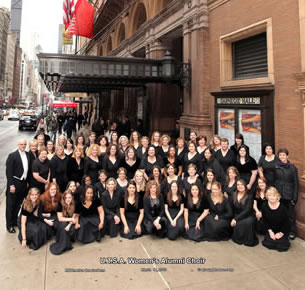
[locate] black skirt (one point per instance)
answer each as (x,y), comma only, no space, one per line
(51,230)
(149,228)
(217,230)
(244,232)
(132,220)
(173,233)
(281,245)
(36,232)
(88,231)
(260,226)
(64,239)
(112,229)
(194,234)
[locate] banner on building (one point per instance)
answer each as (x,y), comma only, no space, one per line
(67,39)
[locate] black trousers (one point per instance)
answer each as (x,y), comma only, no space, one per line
(14,201)
(291,214)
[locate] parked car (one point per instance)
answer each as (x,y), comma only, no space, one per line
(28,122)
(13,115)
(1,115)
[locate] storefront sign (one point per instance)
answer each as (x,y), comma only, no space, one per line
(239,101)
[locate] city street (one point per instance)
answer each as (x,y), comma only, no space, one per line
(9,136)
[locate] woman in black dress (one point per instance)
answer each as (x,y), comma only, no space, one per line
(132,213)
(225,156)
(209,179)
(48,205)
(153,203)
(259,200)
(92,163)
(51,149)
(71,186)
(247,168)
(76,166)
(69,148)
(59,168)
(164,148)
(140,183)
(202,144)
(239,140)
(215,144)
(156,175)
(217,223)
(64,224)
(33,154)
(80,142)
(276,220)
(86,181)
(100,186)
(92,141)
(41,170)
(32,231)
(142,150)
(193,137)
(173,159)
(174,209)
(191,179)
(89,222)
(114,138)
(155,140)
(102,141)
(170,177)
(243,222)
(135,139)
(123,145)
(192,156)
(122,181)
(130,162)
(267,163)
(195,212)
(231,179)
(209,161)
(111,199)
(181,149)
(149,161)
(112,161)
(287,183)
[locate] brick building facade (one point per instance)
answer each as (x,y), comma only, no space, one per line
(248,69)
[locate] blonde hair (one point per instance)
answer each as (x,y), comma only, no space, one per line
(28,205)
(272,191)
(153,137)
(33,142)
(218,184)
(80,149)
(60,147)
(165,136)
(111,179)
(92,146)
(143,184)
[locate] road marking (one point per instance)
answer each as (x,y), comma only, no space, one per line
(8,129)
(162,278)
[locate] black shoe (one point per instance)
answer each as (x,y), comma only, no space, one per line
(11,230)
(291,236)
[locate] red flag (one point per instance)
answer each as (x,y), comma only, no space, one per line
(69,11)
(82,21)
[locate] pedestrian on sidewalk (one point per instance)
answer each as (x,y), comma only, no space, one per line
(53,127)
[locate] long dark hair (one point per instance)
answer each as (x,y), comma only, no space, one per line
(247,157)
(200,196)
(83,193)
(131,182)
(170,194)
(246,195)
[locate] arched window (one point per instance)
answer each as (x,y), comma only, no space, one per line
(140,16)
(109,45)
(121,34)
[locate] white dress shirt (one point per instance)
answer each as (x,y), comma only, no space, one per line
(25,164)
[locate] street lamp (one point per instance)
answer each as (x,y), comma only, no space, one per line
(168,65)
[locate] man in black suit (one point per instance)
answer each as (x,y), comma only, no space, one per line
(17,169)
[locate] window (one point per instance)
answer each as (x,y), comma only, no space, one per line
(250,57)
(246,56)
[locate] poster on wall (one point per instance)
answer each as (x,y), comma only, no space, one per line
(226,124)
(250,127)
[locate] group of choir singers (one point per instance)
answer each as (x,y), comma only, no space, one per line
(140,186)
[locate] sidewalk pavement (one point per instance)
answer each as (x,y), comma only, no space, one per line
(226,265)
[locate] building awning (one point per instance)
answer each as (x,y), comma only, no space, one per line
(63,104)
(93,74)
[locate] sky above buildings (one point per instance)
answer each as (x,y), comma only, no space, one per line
(40,20)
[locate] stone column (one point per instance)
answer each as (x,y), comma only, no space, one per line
(195,32)
(300,207)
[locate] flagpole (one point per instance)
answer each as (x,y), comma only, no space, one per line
(76,40)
